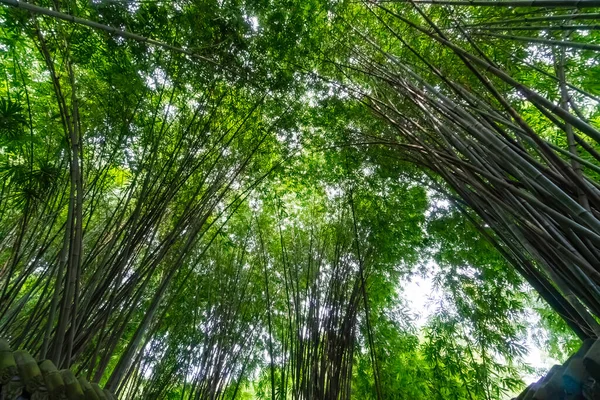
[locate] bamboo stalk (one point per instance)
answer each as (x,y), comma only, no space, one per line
(507,3)
(559,43)
(542,28)
(521,19)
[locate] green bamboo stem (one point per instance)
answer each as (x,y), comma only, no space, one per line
(559,43)
(507,3)
(542,28)
(520,20)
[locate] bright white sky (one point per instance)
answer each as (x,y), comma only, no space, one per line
(421,296)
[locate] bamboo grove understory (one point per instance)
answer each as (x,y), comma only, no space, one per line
(225,199)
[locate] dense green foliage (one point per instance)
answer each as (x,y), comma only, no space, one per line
(227,199)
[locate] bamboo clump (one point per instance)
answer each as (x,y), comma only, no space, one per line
(24,378)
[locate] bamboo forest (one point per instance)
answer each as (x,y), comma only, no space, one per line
(299,199)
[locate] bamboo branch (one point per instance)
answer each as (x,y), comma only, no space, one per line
(95,25)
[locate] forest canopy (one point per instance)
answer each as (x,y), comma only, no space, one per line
(233,199)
